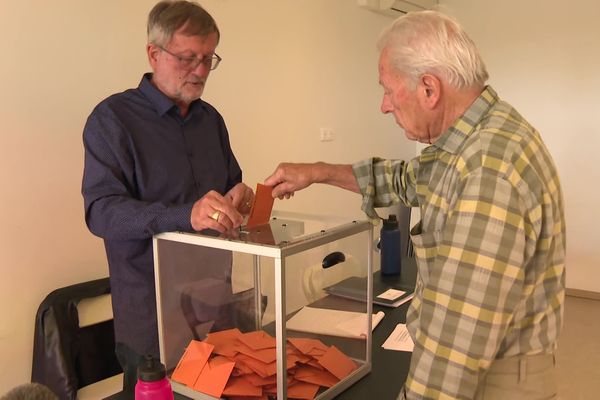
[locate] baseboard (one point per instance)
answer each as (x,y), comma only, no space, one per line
(586,294)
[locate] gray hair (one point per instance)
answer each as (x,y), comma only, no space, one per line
(166,17)
(431,42)
(30,391)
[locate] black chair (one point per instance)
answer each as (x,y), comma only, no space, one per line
(67,357)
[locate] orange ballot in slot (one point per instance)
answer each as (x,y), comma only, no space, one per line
(261,207)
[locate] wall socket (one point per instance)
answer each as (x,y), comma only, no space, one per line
(326,135)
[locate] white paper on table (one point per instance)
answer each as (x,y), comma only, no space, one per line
(332,322)
(399,340)
(403,300)
(391,294)
(358,324)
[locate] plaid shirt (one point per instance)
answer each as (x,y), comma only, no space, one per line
(490,246)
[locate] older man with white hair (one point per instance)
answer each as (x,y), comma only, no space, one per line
(490,245)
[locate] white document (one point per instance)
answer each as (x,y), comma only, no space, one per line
(391,294)
(332,322)
(399,340)
(402,300)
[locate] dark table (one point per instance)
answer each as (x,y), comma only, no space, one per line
(389,368)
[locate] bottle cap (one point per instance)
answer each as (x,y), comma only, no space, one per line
(151,370)
(391,222)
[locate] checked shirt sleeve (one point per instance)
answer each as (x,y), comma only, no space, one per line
(471,281)
(383,183)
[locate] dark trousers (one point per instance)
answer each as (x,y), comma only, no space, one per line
(129,361)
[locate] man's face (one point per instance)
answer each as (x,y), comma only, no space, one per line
(401,101)
(179,82)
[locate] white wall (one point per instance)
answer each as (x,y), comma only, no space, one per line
(544,58)
(289,69)
(58,59)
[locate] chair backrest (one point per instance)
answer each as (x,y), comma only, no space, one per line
(66,355)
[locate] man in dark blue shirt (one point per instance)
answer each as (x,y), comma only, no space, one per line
(158,159)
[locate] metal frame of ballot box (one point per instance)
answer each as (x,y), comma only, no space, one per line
(277,246)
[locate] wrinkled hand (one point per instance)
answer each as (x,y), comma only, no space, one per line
(242,197)
(289,178)
(214,211)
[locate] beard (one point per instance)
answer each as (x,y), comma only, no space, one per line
(191,90)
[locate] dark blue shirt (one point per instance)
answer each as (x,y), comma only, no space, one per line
(145,166)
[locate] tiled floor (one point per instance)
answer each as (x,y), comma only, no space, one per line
(578,355)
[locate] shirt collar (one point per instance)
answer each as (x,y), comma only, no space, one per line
(159,100)
(454,136)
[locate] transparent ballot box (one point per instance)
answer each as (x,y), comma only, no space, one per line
(247,315)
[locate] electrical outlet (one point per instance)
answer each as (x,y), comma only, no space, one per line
(326,134)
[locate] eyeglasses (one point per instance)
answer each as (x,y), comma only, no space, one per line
(190,63)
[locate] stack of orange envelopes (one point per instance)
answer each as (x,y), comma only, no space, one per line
(240,365)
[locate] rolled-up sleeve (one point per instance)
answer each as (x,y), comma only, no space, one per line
(384,182)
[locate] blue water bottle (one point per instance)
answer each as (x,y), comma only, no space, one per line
(389,243)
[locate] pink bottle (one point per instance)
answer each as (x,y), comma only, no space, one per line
(152,381)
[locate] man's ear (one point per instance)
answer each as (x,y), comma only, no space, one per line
(430,88)
(152,50)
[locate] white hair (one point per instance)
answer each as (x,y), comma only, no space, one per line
(431,42)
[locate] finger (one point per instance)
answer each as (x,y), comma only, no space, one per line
(225,222)
(219,221)
(275,178)
(283,189)
(249,200)
(246,199)
(211,223)
(231,216)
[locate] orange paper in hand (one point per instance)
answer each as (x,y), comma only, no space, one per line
(261,207)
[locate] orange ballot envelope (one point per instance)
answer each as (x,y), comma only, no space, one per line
(336,362)
(261,207)
(214,376)
(251,370)
(192,362)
